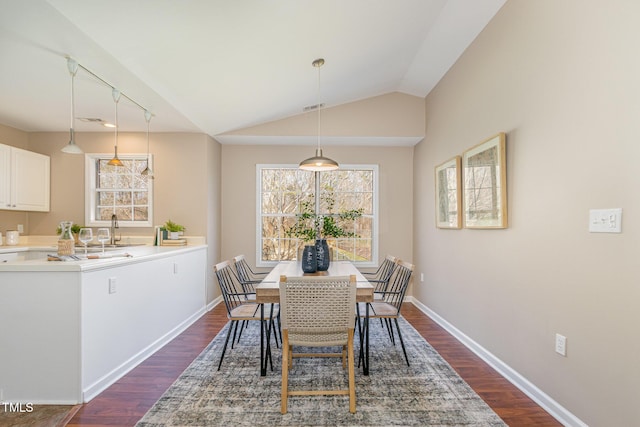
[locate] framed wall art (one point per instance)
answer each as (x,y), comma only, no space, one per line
(484,178)
(448,192)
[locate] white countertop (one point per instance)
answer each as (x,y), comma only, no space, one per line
(113,256)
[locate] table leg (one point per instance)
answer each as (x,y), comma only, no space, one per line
(270,323)
(263,362)
(364,339)
(365,367)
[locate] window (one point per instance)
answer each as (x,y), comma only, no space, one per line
(120,190)
(284,191)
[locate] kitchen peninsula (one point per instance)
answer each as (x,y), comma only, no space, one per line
(72,328)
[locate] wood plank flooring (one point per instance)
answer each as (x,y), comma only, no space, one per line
(126,401)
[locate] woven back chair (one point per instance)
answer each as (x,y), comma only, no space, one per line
(317,311)
(241,306)
(380,278)
(388,307)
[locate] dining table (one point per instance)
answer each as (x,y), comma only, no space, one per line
(268,292)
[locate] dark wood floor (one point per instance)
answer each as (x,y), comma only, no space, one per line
(126,401)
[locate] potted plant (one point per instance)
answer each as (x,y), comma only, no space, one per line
(75,230)
(173,229)
(311,227)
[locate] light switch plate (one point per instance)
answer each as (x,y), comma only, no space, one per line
(605,220)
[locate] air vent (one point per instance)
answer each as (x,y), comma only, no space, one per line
(312,107)
(95,120)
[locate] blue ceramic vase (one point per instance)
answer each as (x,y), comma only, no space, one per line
(322,254)
(309,261)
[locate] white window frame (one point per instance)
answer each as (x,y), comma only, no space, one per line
(376,198)
(90,191)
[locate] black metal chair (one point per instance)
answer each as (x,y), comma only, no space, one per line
(241,306)
(380,278)
(388,307)
(246,275)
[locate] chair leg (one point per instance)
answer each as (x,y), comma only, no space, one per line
(402,342)
(235,331)
(224,349)
(284,395)
(352,375)
(390,330)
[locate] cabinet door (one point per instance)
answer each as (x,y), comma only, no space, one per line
(30,181)
(5,176)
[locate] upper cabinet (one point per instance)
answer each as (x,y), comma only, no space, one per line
(24,180)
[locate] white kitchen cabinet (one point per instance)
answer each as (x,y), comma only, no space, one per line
(79,326)
(24,180)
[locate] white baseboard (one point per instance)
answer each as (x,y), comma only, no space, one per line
(103,383)
(541,398)
(213,303)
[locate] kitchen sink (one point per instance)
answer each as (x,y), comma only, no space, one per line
(93,247)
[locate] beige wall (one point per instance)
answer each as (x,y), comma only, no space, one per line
(561,78)
(392,114)
(239,193)
(186,187)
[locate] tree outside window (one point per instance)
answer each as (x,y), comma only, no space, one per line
(120,190)
(287,201)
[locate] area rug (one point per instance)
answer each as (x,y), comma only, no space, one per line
(428,393)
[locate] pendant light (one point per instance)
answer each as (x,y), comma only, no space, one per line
(318,163)
(71,147)
(147,170)
(115,93)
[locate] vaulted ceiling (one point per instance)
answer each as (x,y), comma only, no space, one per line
(215,66)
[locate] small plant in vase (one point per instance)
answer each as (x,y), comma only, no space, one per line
(75,230)
(314,229)
(173,229)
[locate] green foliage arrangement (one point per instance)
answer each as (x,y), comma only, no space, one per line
(172,226)
(75,229)
(310,226)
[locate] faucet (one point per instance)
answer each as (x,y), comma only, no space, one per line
(114,226)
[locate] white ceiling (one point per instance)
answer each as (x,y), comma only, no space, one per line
(214,66)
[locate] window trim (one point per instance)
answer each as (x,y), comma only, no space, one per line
(376,201)
(90,190)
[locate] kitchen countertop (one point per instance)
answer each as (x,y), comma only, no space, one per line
(113,256)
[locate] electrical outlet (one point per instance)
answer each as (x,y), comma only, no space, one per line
(605,220)
(20,228)
(112,285)
(561,345)
(422,277)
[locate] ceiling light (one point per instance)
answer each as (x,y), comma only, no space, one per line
(71,147)
(147,170)
(115,93)
(318,163)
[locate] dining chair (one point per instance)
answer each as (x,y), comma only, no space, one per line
(388,307)
(249,279)
(380,278)
(318,311)
(241,306)
(246,275)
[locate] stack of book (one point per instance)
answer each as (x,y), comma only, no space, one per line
(174,242)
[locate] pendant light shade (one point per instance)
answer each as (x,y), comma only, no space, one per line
(115,93)
(147,170)
(318,163)
(71,147)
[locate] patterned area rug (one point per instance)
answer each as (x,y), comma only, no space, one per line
(428,393)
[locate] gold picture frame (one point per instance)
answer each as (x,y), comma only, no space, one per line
(484,175)
(448,194)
